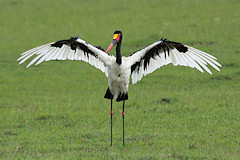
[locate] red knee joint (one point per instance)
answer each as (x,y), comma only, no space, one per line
(111,113)
(123,113)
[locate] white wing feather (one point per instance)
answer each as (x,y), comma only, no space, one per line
(193,58)
(47,52)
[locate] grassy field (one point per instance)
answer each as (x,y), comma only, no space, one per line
(57,111)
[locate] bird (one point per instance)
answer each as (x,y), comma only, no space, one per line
(119,69)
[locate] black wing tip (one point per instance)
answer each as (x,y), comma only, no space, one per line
(72,42)
(101,48)
(165,45)
(65,41)
(179,46)
(74,38)
(163,39)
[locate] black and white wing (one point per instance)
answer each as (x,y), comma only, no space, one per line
(164,52)
(72,49)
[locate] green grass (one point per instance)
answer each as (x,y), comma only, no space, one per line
(57,111)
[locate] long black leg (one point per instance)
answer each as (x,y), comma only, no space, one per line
(111,121)
(123,114)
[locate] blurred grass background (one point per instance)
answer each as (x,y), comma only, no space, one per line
(57,111)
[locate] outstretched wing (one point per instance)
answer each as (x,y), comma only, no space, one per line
(164,52)
(72,49)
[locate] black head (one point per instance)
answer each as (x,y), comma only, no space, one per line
(117,38)
(117,32)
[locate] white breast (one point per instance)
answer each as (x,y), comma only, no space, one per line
(118,78)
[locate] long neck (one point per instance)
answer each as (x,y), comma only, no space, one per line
(118,53)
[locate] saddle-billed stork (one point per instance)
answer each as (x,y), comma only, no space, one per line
(119,69)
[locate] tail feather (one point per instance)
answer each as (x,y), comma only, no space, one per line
(108,94)
(121,97)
